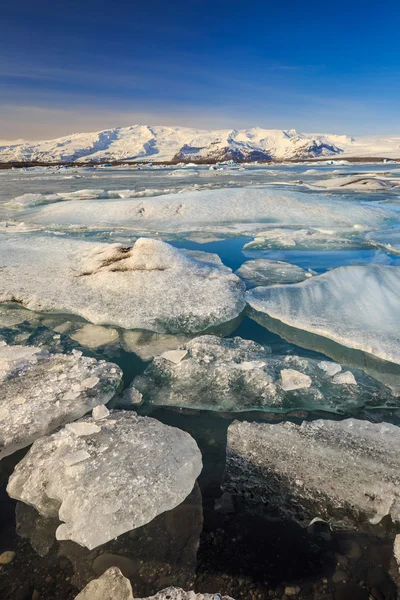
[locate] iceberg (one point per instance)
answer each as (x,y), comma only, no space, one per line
(104,477)
(345,472)
(41,391)
(149,285)
(356,306)
(262,271)
(236,375)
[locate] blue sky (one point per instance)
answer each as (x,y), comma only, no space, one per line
(315,66)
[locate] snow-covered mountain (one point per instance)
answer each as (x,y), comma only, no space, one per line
(146,143)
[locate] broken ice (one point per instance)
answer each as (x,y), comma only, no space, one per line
(240,375)
(342,471)
(41,391)
(105,477)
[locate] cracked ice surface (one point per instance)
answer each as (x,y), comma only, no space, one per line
(149,285)
(134,469)
(238,375)
(344,471)
(356,306)
(41,391)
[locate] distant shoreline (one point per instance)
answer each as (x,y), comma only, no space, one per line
(116,163)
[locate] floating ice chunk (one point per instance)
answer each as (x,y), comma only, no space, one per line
(129,397)
(138,468)
(112,585)
(174,356)
(344,471)
(354,182)
(75,458)
(9,315)
(150,285)
(356,306)
(82,428)
(39,392)
(100,412)
(346,378)
(90,382)
(240,375)
(310,239)
(148,344)
(294,380)
(269,272)
(94,336)
(329,367)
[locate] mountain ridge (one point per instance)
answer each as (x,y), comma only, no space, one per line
(143,143)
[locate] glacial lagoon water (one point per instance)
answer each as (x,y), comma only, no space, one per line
(247,553)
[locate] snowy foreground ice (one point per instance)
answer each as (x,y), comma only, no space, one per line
(239,375)
(356,306)
(40,391)
(149,285)
(112,585)
(342,471)
(105,476)
(214,210)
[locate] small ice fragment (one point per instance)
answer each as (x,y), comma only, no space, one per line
(75,457)
(330,368)
(345,378)
(100,412)
(251,364)
(130,396)
(294,380)
(82,428)
(90,382)
(174,356)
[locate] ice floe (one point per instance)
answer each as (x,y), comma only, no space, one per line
(262,271)
(149,285)
(346,471)
(107,476)
(41,391)
(240,375)
(213,210)
(308,239)
(356,306)
(359,182)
